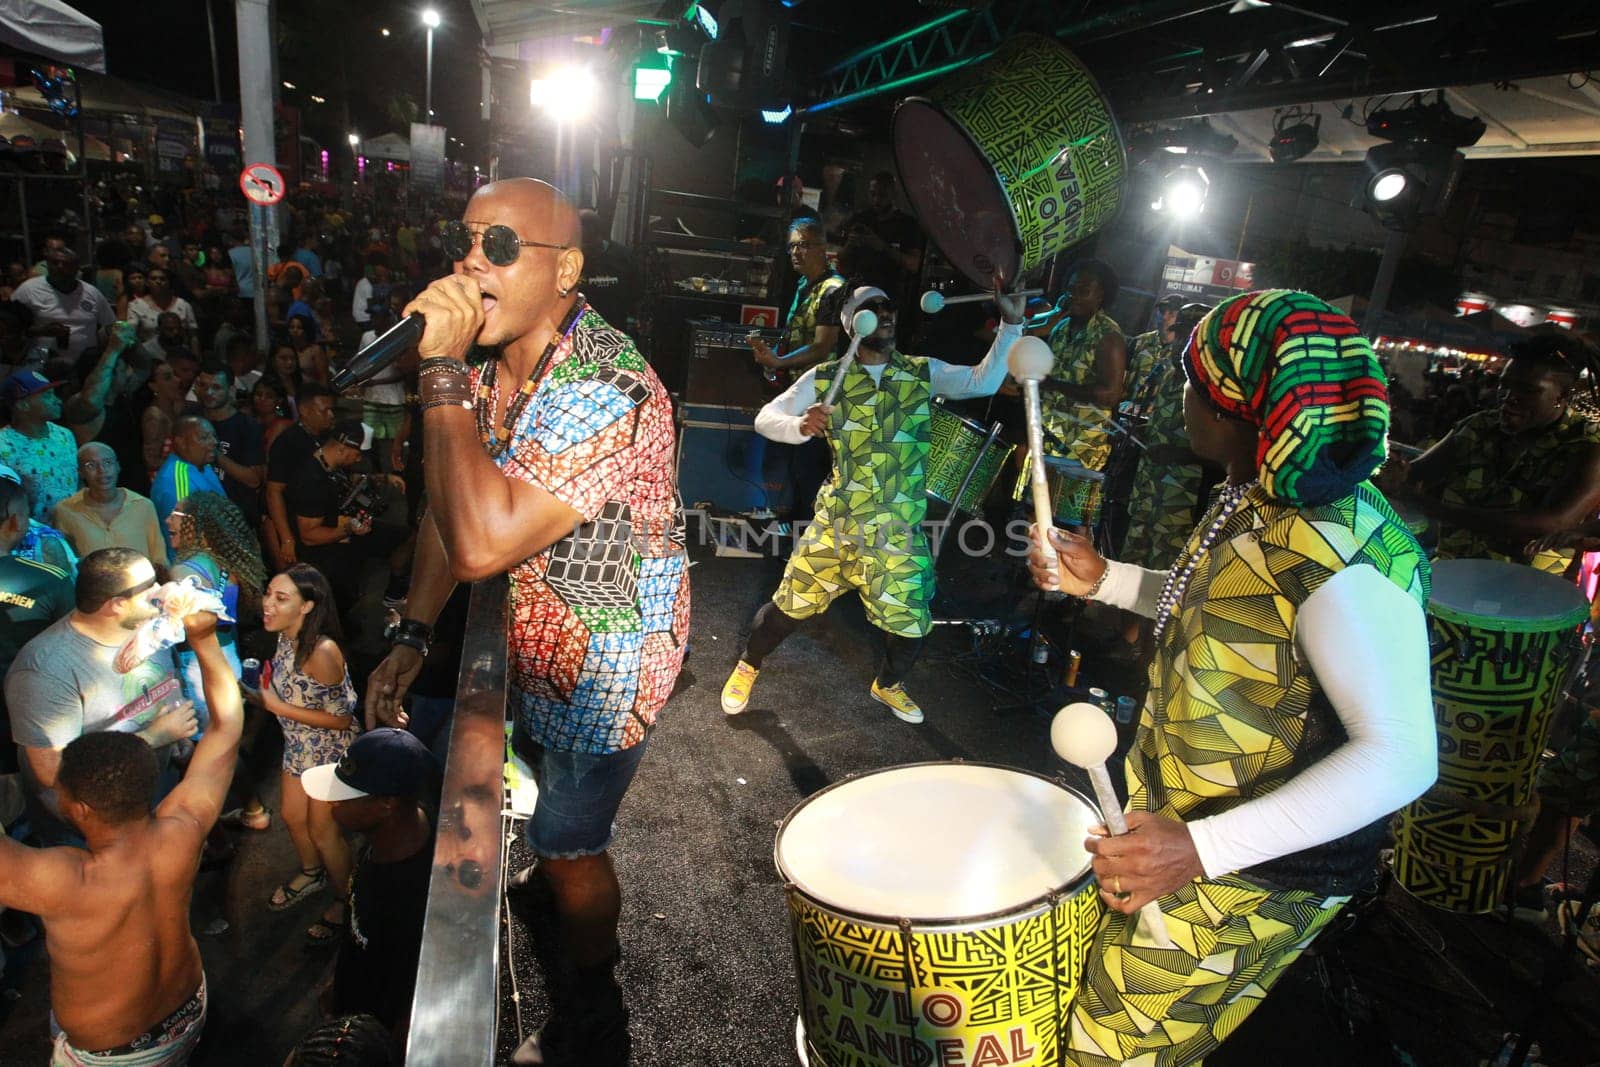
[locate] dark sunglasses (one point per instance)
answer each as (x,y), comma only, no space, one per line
(501,245)
(134,590)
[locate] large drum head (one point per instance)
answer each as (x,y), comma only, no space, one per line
(1508,597)
(956,194)
(936,842)
(1011,160)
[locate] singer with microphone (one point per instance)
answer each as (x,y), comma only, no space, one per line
(1289,711)
(867,535)
(548,455)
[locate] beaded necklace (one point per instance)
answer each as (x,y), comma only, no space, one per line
(1178,580)
(488,391)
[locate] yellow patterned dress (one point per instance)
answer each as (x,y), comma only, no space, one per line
(867,532)
(1491,473)
(1233,713)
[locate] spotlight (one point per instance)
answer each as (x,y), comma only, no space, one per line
(777,118)
(568,93)
(1183,193)
(1293,139)
(1195,139)
(1408,179)
(1433,122)
(1387,185)
(430,19)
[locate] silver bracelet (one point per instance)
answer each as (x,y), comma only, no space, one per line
(1094,590)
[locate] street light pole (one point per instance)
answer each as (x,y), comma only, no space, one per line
(430,19)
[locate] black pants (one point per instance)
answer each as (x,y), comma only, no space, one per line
(771,626)
(343,562)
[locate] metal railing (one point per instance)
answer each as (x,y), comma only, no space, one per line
(454,1012)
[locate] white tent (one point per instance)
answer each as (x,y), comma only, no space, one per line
(389,146)
(52,29)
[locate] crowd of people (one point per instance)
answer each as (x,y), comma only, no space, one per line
(153,445)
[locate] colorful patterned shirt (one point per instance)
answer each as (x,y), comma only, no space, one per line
(879,437)
(1234,712)
(1144,352)
(1492,473)
(599,620)
(47,465)
(1080,426)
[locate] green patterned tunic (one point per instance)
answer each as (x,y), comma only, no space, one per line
(1162,501)
(1491,473)
(800,328)
(1081,426)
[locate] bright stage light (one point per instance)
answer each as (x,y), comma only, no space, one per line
(430,18)
(568,93)
(1183,193)
(1388,185)
(777,118)
(354,139)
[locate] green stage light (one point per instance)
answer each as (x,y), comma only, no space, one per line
(651,77)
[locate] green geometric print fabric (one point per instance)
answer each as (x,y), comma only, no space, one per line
(800,329)
(1162,501)
(879,436)
(1492,473)
(1230,700)
(867,533)
(1158,1007)
(1080,426)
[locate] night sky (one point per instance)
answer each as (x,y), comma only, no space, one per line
(174,54)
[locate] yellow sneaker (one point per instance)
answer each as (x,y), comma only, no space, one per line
(898,701)
(736,690)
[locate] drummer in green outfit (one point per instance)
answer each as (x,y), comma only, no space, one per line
(1083,390)
(1503,478)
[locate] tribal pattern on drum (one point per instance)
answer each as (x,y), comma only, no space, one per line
(955,446)
(996,995)
(1494,694)
(1299,370)
(1169,1007)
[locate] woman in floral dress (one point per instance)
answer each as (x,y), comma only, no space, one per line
(307,686)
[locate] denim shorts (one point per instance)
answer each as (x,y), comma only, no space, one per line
(579,795)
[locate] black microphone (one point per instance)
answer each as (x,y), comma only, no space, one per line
(384,350)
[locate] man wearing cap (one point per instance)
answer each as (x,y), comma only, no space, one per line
(377,789)
(867,534)
(187,469)
(39,449)
(64,306)
(330,534)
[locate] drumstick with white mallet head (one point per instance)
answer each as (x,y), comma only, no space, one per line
(933,301)
(863,323)
(1085,736)
(1030,362)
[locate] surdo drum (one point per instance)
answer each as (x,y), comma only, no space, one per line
(941,913)
(964,459)
(1503,638)
(1011,160)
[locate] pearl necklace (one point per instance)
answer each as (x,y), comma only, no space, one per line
(1178,580)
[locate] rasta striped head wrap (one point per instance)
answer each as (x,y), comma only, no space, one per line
(1300,372)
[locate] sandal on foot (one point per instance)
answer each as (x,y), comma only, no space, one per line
(326,931)
(287,896)
(241,819)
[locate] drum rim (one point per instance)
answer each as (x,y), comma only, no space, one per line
(999,183)
(938,404)
(941,923)
(1552,621)
(1067,463)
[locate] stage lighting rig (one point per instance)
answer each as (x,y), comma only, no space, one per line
(1193,139)
(1296,134)
(1414,172)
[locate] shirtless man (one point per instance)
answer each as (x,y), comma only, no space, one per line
(126,982)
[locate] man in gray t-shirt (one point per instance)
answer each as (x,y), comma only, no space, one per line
(63,685)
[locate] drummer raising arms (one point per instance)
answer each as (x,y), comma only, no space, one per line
(867,534)
(1505,477)
(1289,710)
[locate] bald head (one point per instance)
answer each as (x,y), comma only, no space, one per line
(526,299)
(540,211)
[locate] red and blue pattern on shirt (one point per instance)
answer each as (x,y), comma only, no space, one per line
(599,620)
